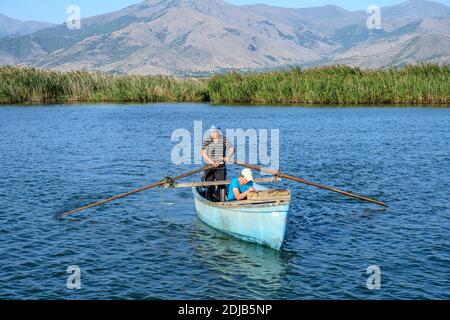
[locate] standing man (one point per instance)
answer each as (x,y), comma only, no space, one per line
(216,151)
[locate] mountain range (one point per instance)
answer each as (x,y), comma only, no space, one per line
(14,28)
(203,37)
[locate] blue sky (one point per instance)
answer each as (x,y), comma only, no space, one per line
(55,10)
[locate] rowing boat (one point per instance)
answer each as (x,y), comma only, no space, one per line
(258,221)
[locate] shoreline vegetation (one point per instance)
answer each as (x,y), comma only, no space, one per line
(334,85)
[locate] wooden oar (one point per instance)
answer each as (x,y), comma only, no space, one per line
(281,175)
(160,183)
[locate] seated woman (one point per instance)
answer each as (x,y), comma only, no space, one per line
(240,187)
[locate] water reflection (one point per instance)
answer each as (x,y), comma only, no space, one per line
(239,261)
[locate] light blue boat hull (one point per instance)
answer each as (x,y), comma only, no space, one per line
(264,224)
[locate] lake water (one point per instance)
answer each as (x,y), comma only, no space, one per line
(152,246)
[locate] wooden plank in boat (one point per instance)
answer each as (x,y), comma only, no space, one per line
(222,183)
(250,202)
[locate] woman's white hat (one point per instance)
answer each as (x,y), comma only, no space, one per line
(247,174)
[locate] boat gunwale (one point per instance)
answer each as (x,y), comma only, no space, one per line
(240,204)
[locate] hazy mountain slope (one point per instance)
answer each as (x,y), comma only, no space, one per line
(188,37)
(320,19)
(423,41)
(413,10)
(13,27)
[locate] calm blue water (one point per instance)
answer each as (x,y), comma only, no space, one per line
(151,245)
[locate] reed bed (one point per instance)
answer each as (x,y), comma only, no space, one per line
(418,84)
(31,85)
